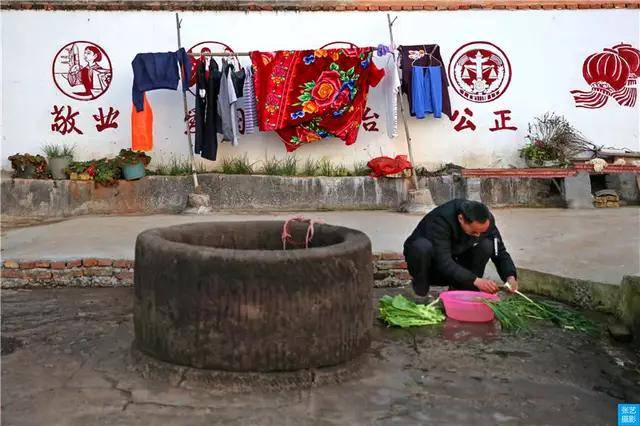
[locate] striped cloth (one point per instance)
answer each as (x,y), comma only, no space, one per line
(247,104)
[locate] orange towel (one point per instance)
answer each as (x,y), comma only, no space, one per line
(142,127)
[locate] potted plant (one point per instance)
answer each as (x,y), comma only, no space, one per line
(133,163)
(59,157)
(28,166)
(105,171)
(78,170)
(553,141)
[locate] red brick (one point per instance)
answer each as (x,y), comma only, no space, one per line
(121,263)
(58,265)
(42,264)
(62,274)
(11,273)
(98,272)
(74,263)
(11,264)
(89,262)
(392,256)
(40,275)
(105,262)
(125,276)
(27,265)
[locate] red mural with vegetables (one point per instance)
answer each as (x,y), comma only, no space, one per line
(611,73)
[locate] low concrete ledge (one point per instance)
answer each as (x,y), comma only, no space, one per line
(629,307)
(25,199)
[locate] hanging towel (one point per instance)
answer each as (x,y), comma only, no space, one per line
(153,71)
(309,95)
(424,55)
(389,86)
(426,92)
(247,104)
(142,127)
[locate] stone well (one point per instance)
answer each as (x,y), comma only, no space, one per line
(226,296)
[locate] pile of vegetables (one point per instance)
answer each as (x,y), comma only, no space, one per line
(401,312)
(516,312)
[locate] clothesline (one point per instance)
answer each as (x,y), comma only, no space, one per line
(226,54)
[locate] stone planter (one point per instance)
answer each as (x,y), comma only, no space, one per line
(57,166)
(226,296)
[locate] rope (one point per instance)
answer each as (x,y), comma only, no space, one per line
(287,237)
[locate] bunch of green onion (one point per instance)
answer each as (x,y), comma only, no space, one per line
(515,313)
(401,312)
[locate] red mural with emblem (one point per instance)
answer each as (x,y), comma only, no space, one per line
(611,73)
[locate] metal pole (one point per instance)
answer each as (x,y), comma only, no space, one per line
(404,117)
(186,112)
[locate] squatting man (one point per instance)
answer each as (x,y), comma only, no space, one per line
(452,245)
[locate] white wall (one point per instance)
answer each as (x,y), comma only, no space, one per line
(546,50)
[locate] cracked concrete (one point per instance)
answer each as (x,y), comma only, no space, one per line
(73,366)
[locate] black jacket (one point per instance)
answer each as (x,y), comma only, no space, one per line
(442,229)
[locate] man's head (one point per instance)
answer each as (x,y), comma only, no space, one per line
(474,218)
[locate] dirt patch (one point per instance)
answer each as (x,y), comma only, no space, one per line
(77,369)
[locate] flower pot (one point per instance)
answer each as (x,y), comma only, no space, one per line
(133,171)
(57,166)
(25,171)
(551,163)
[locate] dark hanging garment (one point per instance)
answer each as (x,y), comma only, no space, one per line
(201,103)
(207,89)
(423,55)
(210,141)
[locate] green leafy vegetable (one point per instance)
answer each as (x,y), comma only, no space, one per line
(515,313)
(400,312)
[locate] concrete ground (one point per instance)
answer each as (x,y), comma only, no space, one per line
(66,361)
(599,245)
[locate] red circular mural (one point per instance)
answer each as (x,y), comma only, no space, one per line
(82,70)
(480,71)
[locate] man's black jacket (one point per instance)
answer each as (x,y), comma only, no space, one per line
(442,229)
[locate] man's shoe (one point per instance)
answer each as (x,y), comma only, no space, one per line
(419,289)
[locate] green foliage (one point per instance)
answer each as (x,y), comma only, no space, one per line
(310,167)
(175,167)
(400,312)
(325,167)
(58,151)
(361,169)
(552,138)
(130,157)
(105,171)
(516,312)
(237,166)
(22,162)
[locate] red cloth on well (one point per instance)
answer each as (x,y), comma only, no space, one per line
(309,95)
(384,166)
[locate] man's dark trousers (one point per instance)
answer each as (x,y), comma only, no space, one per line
(419,254)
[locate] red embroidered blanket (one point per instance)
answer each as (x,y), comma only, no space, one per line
(309,95)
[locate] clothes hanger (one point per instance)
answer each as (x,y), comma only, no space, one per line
(430,55)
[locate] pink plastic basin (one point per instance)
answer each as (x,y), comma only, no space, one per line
(465,306)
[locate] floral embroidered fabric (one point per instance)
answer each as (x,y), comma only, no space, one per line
(309,95)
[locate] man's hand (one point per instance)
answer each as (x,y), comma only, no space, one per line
(485,285)
(513,284)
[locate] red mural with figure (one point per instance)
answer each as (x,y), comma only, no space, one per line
(82,70)
(611,73)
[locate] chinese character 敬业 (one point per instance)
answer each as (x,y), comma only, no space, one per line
(106,121)
(64,124)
